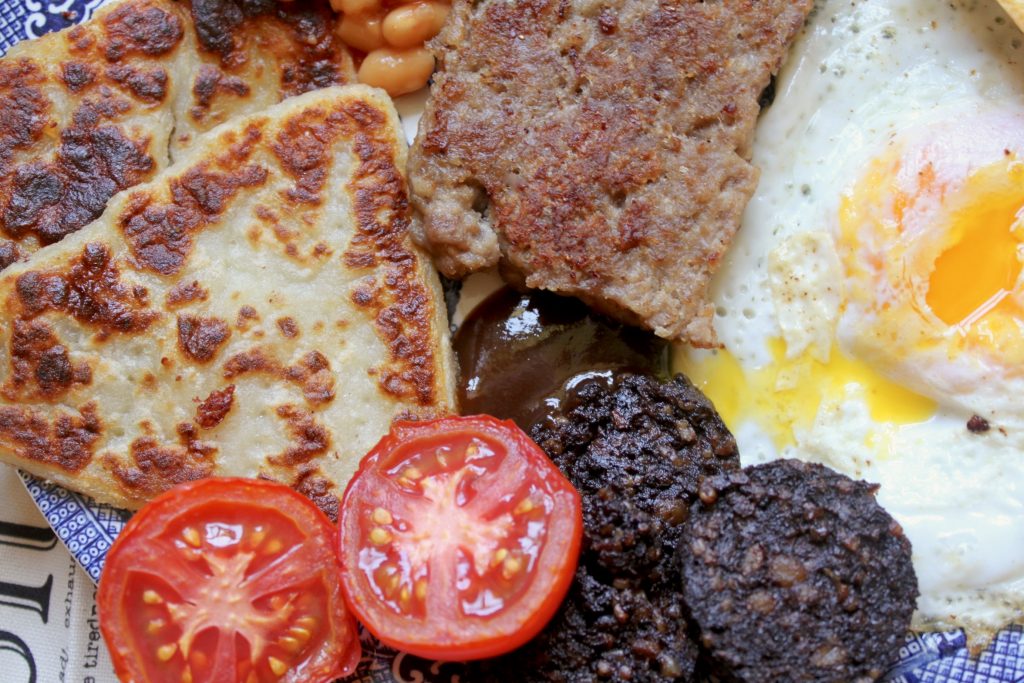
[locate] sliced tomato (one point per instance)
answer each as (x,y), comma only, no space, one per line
(227,580)
(459,538)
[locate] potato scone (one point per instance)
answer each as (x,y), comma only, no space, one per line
(105,105)
(258,309)
(598,150)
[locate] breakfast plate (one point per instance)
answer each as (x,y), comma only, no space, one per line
(88,529)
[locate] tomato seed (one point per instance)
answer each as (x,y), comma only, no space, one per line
(525,505)
(300,633)
(307,622)
(186,675)
(277,666)
(192,537)
(257,536)
(382,516)
(289,644)
(421,590)
(412,473)
(511,567)
(499,557)
(404,596)
(154,626)
(380,536)
(165,652)
(151,597)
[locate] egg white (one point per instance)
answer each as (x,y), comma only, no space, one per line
(862,77)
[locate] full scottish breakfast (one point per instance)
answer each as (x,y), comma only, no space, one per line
(743,409)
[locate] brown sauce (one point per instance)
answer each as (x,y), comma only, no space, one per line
(522,355)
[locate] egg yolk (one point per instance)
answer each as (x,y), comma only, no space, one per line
(980,267)
(933,260)
(784,396)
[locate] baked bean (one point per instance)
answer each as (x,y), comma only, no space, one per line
(397,71)
(361,31)
(410,25)
(353,7)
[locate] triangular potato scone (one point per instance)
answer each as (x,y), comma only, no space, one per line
(257,310)
(107,104)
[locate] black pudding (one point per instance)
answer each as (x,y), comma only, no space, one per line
(637,450)
(793,572)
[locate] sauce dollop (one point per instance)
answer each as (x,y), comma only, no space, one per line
(523,354)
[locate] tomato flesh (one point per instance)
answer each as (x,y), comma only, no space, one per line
(227,580)
(459,538)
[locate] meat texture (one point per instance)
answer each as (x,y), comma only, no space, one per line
(637,451)
(598,149)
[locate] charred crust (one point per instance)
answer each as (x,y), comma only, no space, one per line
(401,307)
(39,360)
(309,438)
(160,235)
(67,442)
(24,110)
(156,468)
(249,362)
(302,147)
(200,338)
(215,407)
(289,328)
(93,162)
(246,315)
(186,293)
(209,81)
(308,59)
(147,85)
(312,373)
(318,489)
(140,27)
(77,75)
(217,20)
(91,292)
(10,253)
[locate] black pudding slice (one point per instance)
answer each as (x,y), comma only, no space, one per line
(793,572)
(637,450)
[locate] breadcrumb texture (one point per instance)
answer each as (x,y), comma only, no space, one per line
(598,149)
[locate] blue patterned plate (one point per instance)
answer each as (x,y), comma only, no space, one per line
(88,528)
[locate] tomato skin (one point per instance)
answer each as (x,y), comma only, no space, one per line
(207,543)
(427,523)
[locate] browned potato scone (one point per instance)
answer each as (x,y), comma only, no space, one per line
(258,309)
(102,106)
(598,149)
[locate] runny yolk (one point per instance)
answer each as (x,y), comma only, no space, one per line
(785,395)
(980,268)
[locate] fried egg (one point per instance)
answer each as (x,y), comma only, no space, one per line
(872,306)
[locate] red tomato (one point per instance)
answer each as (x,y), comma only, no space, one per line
(459,538)
(227,580)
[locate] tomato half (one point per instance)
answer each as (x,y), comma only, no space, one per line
(459,538)
(227,580)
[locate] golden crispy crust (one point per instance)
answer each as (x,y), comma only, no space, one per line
(256,310)
(89,111)
(598,151)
